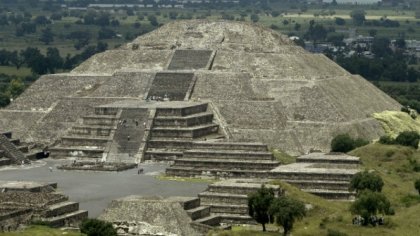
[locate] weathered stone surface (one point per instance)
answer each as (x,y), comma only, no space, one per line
(137,215)
(262,87)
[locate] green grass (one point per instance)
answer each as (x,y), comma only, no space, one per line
(41,231)
(11,70)
(283,157)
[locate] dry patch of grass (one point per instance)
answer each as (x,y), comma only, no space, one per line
(395,122)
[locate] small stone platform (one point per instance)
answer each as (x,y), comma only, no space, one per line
(98,166)
(24,202)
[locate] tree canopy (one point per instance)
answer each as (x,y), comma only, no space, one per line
(259,203)
(366,180)
(286,211)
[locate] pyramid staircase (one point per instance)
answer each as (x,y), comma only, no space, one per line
(48,207)
(327,176)
(225,203)
(174,130)
(13,151)
(224,160)
(88,140)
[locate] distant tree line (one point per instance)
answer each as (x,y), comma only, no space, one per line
(50,61)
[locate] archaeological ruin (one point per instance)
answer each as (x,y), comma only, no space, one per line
(212,98)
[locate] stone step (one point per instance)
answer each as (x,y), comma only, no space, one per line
(7,134)
(332,194)
(318,176)
(238,188)
(61,208)
(319,184)
(69,219)
(181,111)
(15,141)
(183,171)
(240,209)
(199,212)
(227,163)
(194,202)
(106,111)
(23,148)
(76,151)
(233,219)
(169,144)
(107,120)
(328,159)
(5,161)
(209,198)
(212,220)
(92,130)
(84,141)
(183,121)
(162,154)
(255,147)
(185,132)
(227,154)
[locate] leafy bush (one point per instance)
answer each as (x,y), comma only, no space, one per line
(95,227)
(386,140)
(408,138)
(417,185)
(366,181)
(345,143)
(370,203)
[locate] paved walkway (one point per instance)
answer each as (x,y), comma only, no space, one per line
(95,190)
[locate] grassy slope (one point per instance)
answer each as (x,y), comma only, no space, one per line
(392,164)
(41,231)
(395,122)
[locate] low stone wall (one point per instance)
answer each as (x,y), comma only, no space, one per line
(98,166)
(11,219)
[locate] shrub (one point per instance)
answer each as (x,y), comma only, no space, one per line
(95,227)
(408,138)
(417,185)
(386,140)
(345,143)
(370,203)
(366,181)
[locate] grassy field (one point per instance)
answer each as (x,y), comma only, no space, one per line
(11,70)
(393,165)
(41,231)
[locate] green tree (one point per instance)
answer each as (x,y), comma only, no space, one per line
(95,227)
(417,185)
(259,204)
(255,18)
(358,16)
(286,211)
(408,138)
(47,36)
(15,88)
(369,204)
(366,180)
(380,47)
(4,100)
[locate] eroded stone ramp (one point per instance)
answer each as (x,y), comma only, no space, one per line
(171,85)
(190,60)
